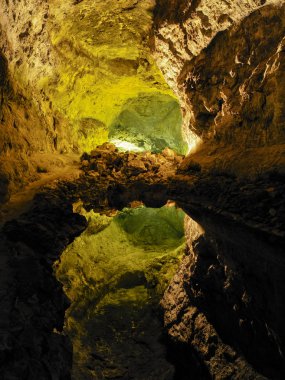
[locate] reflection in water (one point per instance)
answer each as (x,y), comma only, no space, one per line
(235,279)
(115,274)
(117,271)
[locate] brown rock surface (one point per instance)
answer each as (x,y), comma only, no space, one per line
(235,86)
(214,304)
(22,131)
(227,72)
(225,60)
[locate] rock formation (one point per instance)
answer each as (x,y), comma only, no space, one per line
(227,68)
(74,74)
(213,303)
(22,132)
(217,58)
(78,69)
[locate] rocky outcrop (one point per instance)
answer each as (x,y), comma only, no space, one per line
(184,28)
(229,78)
(154,178)
(257,203)
(235,86)
(113,179)
(26,43)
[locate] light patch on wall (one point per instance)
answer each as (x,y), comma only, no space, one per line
(193,141)
(151,121)
(126,146)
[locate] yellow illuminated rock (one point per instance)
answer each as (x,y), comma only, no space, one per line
(103,62)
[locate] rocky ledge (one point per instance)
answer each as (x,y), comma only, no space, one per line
(256,202)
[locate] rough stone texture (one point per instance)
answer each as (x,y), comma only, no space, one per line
(26,43)
(22,131)
(114,179)
(184,28)
(215,303)
(72,65)
(80,62)
(103,62)
(257,203)
(120,178)
(236,85)
(151,122)
(215,71)
(75,74)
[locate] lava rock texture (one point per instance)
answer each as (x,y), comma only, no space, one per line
(224,61)
(215,304)
(22,131)
(71,70)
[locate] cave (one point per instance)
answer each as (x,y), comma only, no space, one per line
(142,182)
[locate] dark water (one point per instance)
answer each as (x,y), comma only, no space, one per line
(240,275)
(116,272)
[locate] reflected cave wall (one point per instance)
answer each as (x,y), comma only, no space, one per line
(227,300)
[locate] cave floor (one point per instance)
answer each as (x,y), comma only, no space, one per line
(54,167)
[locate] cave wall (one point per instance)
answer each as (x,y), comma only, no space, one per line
(63,80)
(29,123)
(76,66)
(225,62)
(80,62)
(226,300)
(23,130)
